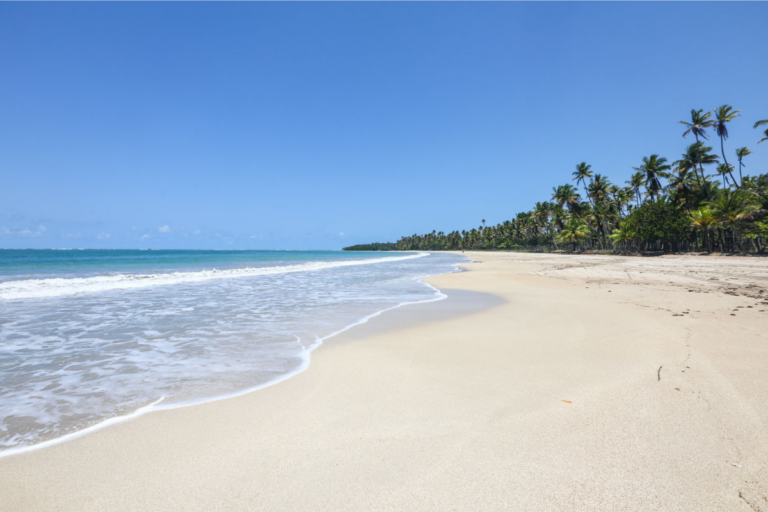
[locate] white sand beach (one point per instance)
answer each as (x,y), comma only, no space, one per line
(588,383)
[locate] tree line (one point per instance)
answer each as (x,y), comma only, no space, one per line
(700,202)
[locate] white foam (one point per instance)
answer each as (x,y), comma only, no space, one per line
(154,406)
(39,288)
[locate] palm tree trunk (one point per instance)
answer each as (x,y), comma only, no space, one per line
(722,150)
(701,168)
(705,237)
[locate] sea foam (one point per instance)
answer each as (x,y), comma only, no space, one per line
(57,287)
(72,361)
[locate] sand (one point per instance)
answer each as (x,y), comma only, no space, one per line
(584,383)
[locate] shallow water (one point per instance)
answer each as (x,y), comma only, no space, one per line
(90,335)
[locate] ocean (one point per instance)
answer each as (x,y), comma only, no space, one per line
(91,337)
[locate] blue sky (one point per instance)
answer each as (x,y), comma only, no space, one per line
(306,125)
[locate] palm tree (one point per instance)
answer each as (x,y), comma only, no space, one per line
(724,217)
(708,189)
(623,198)
(704,219)
(697,155)
(725,114)
(761,123)
(723,170)
(653,168)
(599,188)
(581,173)
(573,232)
(559,216)
(740,154)
(699,123)
(566,195)
(623,234)
(732,205)
(541,213)
(634,183)
(680,183)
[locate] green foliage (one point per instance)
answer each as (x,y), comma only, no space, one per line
(659,221)
(573,232)
(377,246)
(623,235)
(682,206)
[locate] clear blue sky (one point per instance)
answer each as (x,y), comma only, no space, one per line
(305,125)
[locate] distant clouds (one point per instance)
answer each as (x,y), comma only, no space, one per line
(23,232)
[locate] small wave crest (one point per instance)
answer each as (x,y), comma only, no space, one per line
(56,287)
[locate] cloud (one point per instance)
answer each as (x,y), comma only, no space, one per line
(196,232)
(25,232)
(164,229)
(341,234)
(103,236)
(145,237)
(71,235)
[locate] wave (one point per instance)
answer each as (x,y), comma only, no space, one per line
(57,287)
(305,361)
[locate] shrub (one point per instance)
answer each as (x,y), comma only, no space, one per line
(659,222)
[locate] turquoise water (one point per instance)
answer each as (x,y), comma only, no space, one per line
(80,263)
(88,337)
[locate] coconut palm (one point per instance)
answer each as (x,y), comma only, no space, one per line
(599,189)
(708,189)
(697,155)
(730,206)
(573,232)
(762,122)
(700,121)
(623,235)
(634,184)
(680,183)
(724,170)
(653,168)
(566,195)
(723,115)
(704,219)
(740,154)
(623,198)
(581,174)
(724,217)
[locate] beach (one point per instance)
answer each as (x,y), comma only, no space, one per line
(543,382)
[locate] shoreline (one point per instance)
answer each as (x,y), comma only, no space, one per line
(305,363)
(590,387)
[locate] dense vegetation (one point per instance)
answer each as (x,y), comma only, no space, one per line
(665,206)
